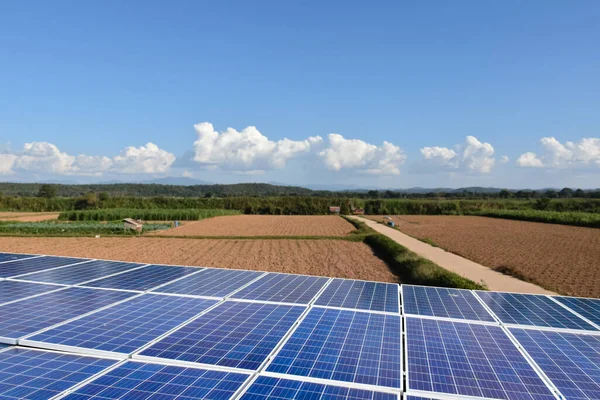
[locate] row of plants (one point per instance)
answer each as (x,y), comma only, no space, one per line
(72,228)
(146,215)
(590,220)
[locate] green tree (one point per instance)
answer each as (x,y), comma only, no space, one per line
(579,193)
(504,194)
(47,191)
(103,196)
(566,193)
(551,194)
(345,208)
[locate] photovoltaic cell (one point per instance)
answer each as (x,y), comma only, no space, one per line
(284,288)
(347,293)
(588,308)
(443,302)
(275,388)
(531,309)
(343,345)
(14,268)
(34,374)
(144,278)
(571,361)
(10,257)
(30,315)
(75,274)
(458,358)
(211,282)
(233,334)
(135,380)
(12,290)
(128,326)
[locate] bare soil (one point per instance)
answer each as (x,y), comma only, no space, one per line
(264,225)
(28,216)
(561,258)
(335,258)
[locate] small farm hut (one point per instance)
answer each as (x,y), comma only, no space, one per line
(130,223)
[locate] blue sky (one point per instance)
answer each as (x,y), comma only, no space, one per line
(464,93)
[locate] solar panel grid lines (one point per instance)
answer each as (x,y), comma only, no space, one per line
(349,346)
(519,309)
(142,279)
(213,282)
(40,374)
(121,329)
(12,291)
(16,268)
(8,257)
(284,387)
(283,288)
(156,288)
(233,335)
(362,295)
(447,303)
(447,358)
(586,308)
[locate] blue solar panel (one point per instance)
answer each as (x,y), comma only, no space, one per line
(275,388)
(30,315)
(128,326)
(20,267)
(343,345)
(211,282)
(12,290)
(233,334)
(34,374)
(571,361)
(75,274)
(531,309)
(443,302)
(144,278)
(588,308)
(135,380)
(10,257)
(468,359)
(284,288)
(347,293)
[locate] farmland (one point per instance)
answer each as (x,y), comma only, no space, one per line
(264,225)
(559,258)
(28,216)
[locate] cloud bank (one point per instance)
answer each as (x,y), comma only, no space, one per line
(582,154)
(472,156)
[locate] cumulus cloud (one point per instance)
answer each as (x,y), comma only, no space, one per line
(472,156)
(584,153)
(504,159)
(356,154)
(247,150)
(44,157)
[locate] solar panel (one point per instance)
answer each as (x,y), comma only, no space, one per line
(588,308)
(530,309)
(443,302)
(284,288)
(346,293)
(13,290)
(76,274)
(30,315)
(468,359)
(136,380)
(266,387)
(125,327)
(343,345)
(11,257)
(571,361)
(211,282)
(144,278)
(233,334)
(20,267)
(34,374)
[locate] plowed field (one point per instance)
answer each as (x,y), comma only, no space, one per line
(27,216)
(264,225)
(562,258)
(335,258)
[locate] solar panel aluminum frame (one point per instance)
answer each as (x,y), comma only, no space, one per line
(19,259)
(18,277)
(58,287)
(442,396)
(597,326)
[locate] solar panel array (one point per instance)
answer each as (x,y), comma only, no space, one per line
(105,329)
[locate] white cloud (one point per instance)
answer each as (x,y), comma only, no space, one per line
(473,156)
(187,174)
(504,159)
(362,156)
(46,158)
(248,150)
(585,153)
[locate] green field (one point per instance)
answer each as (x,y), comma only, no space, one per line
(52,228)
(146,215)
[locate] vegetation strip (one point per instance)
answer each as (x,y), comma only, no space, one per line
(148,215)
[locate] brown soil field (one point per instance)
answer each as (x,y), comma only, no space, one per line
(27,216)
(335,258)
(565,259)
(264,225)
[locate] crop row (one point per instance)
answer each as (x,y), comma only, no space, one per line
(146,215)
(69,228)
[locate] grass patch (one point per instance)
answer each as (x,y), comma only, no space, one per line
(51,228)
(429,241)
(413,269)
(584,219)
(117,214)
